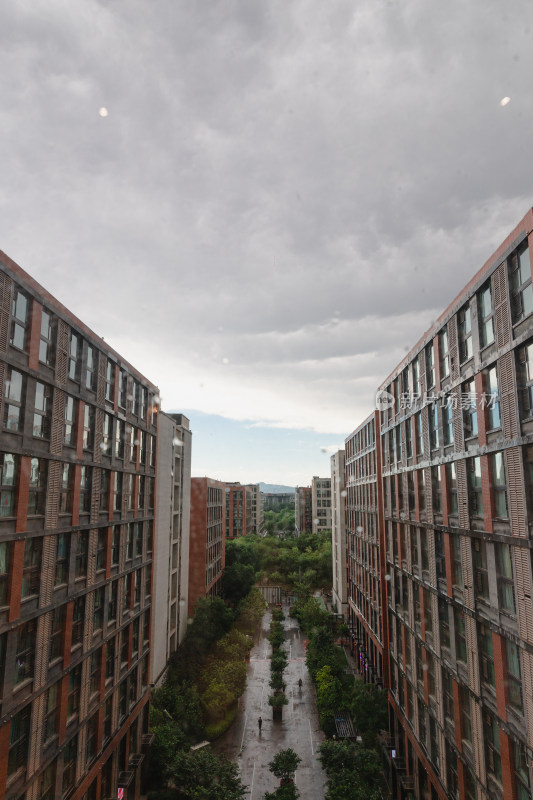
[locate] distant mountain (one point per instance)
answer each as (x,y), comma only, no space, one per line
(275,488)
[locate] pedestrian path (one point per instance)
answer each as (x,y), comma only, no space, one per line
(299,729)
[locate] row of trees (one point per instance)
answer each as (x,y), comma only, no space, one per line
(353,769)
(287,560)
(205,677)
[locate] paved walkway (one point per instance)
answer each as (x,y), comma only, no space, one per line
(299,728)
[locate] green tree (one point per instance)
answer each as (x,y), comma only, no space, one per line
(237,581)
(284,764)
(369,709)
(201,775)
(353,771)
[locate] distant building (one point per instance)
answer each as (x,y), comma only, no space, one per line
(238,510)
(171,548)
(321,500)
(273,501)
(338,531)
(303,507)
(207,540)
(258,514)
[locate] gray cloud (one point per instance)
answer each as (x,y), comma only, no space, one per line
(281,186)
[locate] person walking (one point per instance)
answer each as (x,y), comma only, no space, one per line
(260,723)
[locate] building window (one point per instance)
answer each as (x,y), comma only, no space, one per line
(117,491)
(486,312)
(78,620)
(43,411)
(51,712)
(486,655)
(107,437)
(444,353)
(138,540)
(47,782)
(110,381)
(92,736)
(465,334)
(18,741)
(520,285)
(65,489)
(88,427)
(122,389)
(14,394)
(416,376)
(119,439)
(447,693)
(444,623)
(521,771)
(56,633)
(115,546)
(19,320)
(460,634)
(85,489)
(110,659)
(5,558)
(457,561)
(430,366)
(524,358)
(81,539)
(499,486)
(451,481)
(409,437)
(62,558)
(37,491)
(504,568)
(440,559)
(46,344)
(101,549)
(31,571)
(137,587)
(436,489)
(141,493)
(8,484)
(91,372)
(491,734)
(493,399)
(514,675)
(481,575)
(69,431)
(112,605)
(98,612)
(469,404)
(433,413)
(74,691)
(70,757)
(25,654)
(74,358)
(94,677)
(447,419)
(473,470)
(129,490)
(466,715)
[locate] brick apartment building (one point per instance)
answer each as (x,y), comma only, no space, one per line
(171,546)
(239,519)
(258,512)
(303,507)
(365,552)
(455,435)
(321,504)
(338,532)
(207,539)
(77,486)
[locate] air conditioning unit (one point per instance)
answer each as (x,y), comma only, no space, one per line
(136,759)
(124,779)
(147,739)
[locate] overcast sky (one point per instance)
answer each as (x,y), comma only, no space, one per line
(281,197)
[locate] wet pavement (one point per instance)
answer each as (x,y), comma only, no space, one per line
(299,728)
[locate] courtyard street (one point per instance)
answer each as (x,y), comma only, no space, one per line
(299,728)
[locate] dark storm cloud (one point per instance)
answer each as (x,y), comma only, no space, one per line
(276,186)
